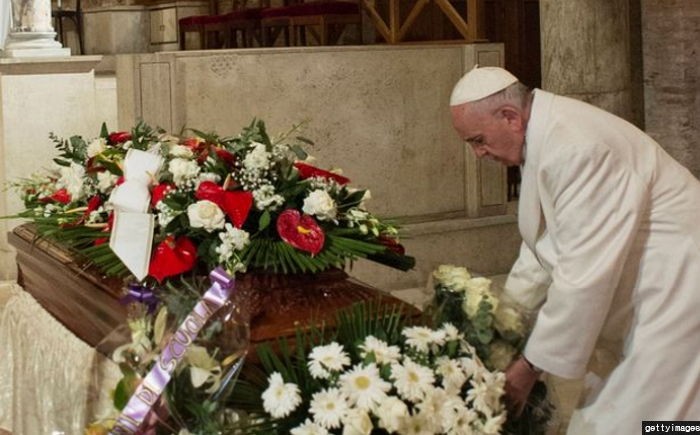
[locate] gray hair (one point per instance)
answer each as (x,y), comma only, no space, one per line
(516,94)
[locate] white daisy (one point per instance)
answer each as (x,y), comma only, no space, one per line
(451,332)
(460,421)
(419,424)
(309,428)
(412,380)
(492,425)
(486,393)
(421,338)
(441,405)
(364,387)
(280,399)
(453,376)
(357,422)
(391,412)
(383,353)
(327,359)
(328,407)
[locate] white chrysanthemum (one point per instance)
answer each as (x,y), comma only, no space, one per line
(72,178)
(181,151)
(266,198)
(320,204)
(501,354)
(452,277)
(357,422)
(363,386)
(508,319)
(258,158)
(477,291)
(383,353)
(460,420)
(205,214)
(326,359)
(412,380)
(309,428)
(453,376)
(106,181)
(422,339)
(486,392)
(96,147)
(392,412)
(419,424)
(451,332)
(184,171)
(328,407)
(280,399)
(492,425)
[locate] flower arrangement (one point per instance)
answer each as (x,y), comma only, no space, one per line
(498,331)
(248,202)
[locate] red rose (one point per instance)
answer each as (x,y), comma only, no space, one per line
(62,196)
(119,137)
(308,171)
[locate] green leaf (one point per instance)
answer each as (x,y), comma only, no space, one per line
(264,220)
(104,133)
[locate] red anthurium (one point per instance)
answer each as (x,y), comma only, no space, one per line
(172,257)
(300,231)
(159,192)
(62,196)
(236,204)
(119,137)
(308,171)
(193,143)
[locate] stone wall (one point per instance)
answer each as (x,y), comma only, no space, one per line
(671,42)
(379,112)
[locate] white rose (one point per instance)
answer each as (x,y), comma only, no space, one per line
(96,147)
(320,204)
(183,170)
(453,277)
(508,319)
(181,151)
(357,422)
(205,214)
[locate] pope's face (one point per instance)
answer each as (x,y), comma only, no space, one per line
(497,135)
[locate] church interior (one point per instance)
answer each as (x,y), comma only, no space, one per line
(370,84)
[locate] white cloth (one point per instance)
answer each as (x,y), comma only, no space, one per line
(611,230)
(50,380)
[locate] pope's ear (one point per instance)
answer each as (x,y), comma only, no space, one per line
(513,117)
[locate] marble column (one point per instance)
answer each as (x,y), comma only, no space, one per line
(32,34)
(672,77)
(585,52)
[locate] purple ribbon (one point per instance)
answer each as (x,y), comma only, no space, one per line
(150,389)
(141,294)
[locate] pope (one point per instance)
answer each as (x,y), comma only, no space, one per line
(610,260)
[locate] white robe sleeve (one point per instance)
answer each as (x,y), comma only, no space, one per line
(597,203)
(527,281)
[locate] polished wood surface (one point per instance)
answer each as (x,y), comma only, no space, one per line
(88,304)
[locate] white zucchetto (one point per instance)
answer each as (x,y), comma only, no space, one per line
(480,83)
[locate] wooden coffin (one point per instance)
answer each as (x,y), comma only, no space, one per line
(88,304)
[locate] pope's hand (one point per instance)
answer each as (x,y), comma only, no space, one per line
(520,378)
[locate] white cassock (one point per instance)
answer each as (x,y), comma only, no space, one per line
(611,260)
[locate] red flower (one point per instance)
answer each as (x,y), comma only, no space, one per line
(236,204)
(101,241)
(159,192)
(226,156)
(119,137)
(308,171)
(172,257)
(193,143)
(392,245)
(300,231)
(62,196)
(120,180)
